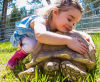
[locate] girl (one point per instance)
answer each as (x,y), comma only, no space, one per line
(61,15)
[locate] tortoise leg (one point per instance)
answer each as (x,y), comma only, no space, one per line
(72,72)
(27,75)
(51,68)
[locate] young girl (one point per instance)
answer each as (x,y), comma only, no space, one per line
(61,15)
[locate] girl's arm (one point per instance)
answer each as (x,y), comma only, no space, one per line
(47,37)
(51,38)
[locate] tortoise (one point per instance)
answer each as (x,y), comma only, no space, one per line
(62,59)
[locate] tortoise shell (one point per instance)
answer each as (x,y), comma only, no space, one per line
(44,52)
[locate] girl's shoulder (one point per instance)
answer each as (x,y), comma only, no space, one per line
(41,20)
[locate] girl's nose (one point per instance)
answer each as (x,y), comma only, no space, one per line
(72,25)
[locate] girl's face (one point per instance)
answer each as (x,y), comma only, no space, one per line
(65,21)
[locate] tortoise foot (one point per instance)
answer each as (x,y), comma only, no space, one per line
(27,74)
(51,68)
(71,71)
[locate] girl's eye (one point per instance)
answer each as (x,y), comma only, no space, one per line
(69,20)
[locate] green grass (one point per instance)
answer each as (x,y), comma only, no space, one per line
(6,75)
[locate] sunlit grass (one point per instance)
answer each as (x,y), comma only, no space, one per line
(6,75)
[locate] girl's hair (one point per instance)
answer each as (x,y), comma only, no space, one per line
(60,4)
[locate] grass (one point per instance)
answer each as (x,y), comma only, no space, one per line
(6,75)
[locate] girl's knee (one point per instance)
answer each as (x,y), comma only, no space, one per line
(28,44)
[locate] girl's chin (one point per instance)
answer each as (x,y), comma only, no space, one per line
(64,31)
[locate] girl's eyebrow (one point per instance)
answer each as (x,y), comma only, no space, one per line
(72,16)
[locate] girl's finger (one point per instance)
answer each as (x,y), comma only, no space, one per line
(81,52)
(84,48)
(82,44)
(88,39)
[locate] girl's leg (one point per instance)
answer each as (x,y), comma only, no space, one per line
(18,55)
(27,45)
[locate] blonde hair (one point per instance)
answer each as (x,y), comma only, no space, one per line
(46,11)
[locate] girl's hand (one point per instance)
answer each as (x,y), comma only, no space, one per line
(86,37)
(89,39)
(77,45)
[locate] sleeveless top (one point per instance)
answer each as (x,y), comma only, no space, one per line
(23,30)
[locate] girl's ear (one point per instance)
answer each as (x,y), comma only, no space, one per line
(55,12)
